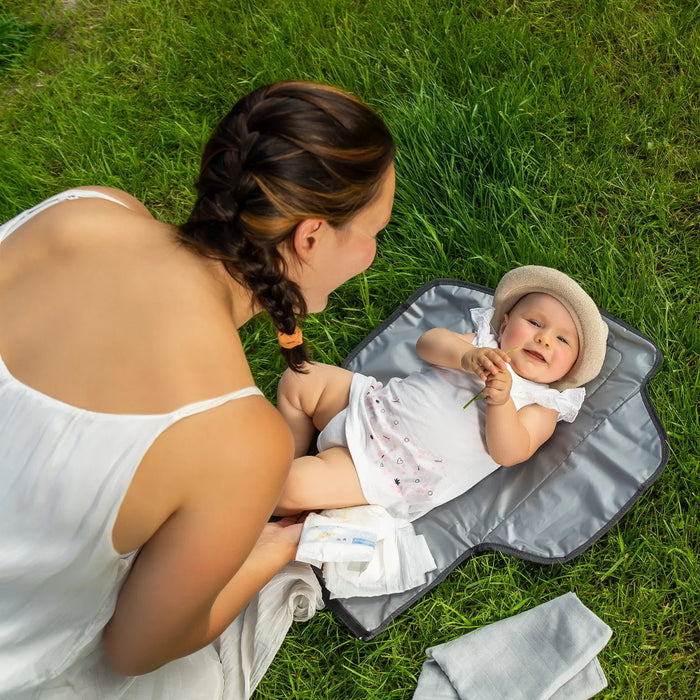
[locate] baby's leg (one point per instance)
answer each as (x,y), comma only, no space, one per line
(309,401)
(328,480)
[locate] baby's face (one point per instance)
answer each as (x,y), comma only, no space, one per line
(542,337)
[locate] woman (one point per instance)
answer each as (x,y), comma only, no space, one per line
(129,420)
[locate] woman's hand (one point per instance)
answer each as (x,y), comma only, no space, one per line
(485,362)
(280,538)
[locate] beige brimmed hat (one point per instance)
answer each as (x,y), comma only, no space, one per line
(590,326)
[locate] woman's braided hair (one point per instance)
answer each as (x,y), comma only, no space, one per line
(284,153)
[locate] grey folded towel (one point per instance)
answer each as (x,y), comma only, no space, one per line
(546,653)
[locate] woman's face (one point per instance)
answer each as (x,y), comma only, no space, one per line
(342,253)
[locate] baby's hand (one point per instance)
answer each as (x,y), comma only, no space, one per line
(497,390)
(485,362)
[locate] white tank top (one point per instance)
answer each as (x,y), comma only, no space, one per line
(64,472)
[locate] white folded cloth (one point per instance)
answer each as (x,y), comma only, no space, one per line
(546,653)
(250,642)
(364,551)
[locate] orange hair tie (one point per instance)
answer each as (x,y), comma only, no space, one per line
(290,340)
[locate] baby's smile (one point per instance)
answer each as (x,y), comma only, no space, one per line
(533,354)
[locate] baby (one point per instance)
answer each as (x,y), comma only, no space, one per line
(421,441)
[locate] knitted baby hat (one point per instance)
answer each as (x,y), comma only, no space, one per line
(592,329)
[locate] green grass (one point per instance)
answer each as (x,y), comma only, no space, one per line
(562,133)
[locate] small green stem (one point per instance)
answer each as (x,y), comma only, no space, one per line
(474,398)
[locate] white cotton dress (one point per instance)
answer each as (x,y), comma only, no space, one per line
(65,472)
(414,445)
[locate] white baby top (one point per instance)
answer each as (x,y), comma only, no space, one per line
(414,445)
(65,472)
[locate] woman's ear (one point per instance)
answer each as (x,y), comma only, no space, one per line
(306,237)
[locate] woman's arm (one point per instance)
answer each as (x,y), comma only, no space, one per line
(208,558)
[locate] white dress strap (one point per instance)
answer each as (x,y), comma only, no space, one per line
(205,405)
(13,224)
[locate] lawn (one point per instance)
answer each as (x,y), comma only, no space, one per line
(562,133)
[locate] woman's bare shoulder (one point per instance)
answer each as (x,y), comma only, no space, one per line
(235,456)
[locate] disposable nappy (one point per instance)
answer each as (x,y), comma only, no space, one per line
(364,551)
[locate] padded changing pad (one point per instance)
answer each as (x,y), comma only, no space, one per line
(555,505)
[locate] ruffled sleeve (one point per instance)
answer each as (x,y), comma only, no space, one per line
(566,403)
(485,336)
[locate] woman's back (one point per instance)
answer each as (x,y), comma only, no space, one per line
(101,308)
(88,382)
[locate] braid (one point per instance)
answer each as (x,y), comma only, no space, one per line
(285,152)
(263,272)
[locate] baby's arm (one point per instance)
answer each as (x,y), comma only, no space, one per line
(444,347)
(513,436)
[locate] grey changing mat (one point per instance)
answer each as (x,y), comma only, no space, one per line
(570,493)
